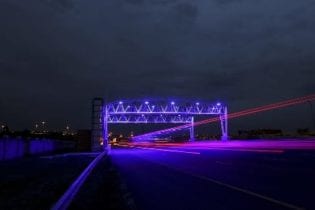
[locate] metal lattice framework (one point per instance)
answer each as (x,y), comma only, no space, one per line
(136,112)
(124,112)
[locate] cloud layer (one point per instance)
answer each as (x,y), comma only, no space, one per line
(56,55)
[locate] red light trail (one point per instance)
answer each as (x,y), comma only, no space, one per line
(246,112)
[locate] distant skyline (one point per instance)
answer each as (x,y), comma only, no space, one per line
(56,56)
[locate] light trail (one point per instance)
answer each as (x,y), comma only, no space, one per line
(169,150)
(179,147)
(163,150)
(246,112)
(273,151)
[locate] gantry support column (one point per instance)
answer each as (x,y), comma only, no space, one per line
(97,125)
(224,124)
(192,130)
(105,128)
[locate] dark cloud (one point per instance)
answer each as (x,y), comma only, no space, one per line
(56,55)
(61,5)
(136,2)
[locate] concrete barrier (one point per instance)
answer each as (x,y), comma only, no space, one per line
(11,148)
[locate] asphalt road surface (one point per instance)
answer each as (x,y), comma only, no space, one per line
(256,175)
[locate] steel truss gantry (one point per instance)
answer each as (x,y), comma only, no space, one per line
(124,112)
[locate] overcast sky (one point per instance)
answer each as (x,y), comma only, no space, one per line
(56,55)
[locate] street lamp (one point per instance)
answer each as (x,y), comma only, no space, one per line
(43,123)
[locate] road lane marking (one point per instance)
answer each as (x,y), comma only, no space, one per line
(232,187)
(248,192)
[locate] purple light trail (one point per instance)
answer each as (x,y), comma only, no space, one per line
(246,112)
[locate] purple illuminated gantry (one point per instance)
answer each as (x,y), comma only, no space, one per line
(136,112)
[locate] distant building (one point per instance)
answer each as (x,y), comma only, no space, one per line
(5,129)
(305,132)
(260,133)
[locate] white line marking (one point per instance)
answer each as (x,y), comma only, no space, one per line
(248,192)
(282,203)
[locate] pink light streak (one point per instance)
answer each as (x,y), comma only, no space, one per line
(260,146)
(246,112)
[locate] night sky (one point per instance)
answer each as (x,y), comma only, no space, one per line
(56,55)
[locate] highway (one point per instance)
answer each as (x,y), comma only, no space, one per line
(213,175)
